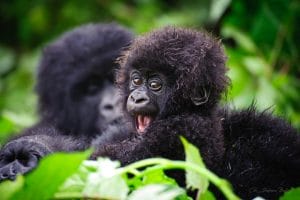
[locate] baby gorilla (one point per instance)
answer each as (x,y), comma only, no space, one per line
(77,98)
(171,82)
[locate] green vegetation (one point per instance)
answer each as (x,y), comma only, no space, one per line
(261,39)
(72,177)
(105,179)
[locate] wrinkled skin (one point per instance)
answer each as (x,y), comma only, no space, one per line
(148,95)
(20,156)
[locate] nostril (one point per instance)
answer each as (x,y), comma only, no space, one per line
(140,100)
(132,98)
(108,107)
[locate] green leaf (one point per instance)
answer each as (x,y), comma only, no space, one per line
(217,9)
(207,195)
(134,183)
(193,179)
(157,176)
(292,194)
(157,192)
(20,119)
(6,128)
(75,184)
(105,182)
(266,94)
(106,188)
(256,65)
(151,175)
(52,171)
(242,39)
(8,188)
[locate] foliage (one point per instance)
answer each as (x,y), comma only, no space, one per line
(264,55)
(261,39)
(50,174)
(105,179)
(261,43)
(292,194)
(65,178)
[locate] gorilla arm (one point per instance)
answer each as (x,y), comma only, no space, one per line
(22,154)
(161,139)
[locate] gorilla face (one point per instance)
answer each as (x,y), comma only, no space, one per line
(95,103)
(147,98)
(73,77)
(109,107)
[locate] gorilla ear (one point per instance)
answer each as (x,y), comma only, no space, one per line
(201,98)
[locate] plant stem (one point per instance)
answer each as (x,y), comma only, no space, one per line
(164,164)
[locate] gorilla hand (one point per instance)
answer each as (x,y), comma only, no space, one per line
(20,156)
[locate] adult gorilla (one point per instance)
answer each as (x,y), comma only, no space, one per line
(77,98)
(172,80)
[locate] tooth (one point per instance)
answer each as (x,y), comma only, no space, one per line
(140,119)
(142,122)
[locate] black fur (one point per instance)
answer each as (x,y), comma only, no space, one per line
(256,151)
(80,58)
(262,154)
(193,62)
(74,75)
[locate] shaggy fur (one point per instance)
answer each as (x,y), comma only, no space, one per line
(191,61)
(262,155)
(75,73)
(239,146)
(81,57)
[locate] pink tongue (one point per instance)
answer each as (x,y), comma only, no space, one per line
(143,122)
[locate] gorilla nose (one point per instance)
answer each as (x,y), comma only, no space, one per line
(108,107)
(138,102)
(140,99)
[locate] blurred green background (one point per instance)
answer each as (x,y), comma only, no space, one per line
(261,38)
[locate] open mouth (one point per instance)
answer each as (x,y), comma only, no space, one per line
(142,122)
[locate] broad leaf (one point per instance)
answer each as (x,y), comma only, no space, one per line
(98,179)
(8,188)
(157,192)
(157,176)
(292,194)
(193,179)
(207,195)
(52,171)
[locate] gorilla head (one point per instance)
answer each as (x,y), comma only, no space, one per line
(172,71)
(75,73)
(77,98)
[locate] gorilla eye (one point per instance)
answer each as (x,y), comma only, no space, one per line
(155,85)
(92,89)
(137,81)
